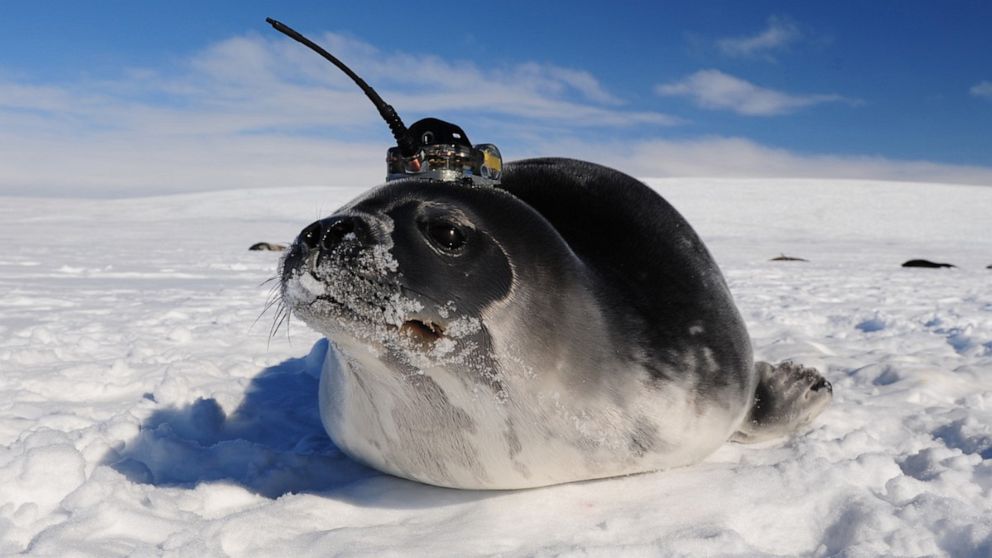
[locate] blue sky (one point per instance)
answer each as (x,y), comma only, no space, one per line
(131,98)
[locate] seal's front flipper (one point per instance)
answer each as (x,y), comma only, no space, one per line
(788,397)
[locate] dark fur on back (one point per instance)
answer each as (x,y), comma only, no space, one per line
(647,255)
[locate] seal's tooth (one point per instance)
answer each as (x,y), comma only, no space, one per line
(312,284)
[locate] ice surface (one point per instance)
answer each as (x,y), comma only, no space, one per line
(142,412)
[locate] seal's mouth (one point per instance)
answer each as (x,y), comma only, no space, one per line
(425,332)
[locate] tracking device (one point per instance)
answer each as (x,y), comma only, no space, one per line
(431,148)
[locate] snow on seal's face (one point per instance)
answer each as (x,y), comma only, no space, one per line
(343,278)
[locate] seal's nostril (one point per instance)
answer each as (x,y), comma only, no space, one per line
(336,232)
(822,383)
(342,227)
(311,235)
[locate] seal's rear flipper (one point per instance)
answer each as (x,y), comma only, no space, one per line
(788,397)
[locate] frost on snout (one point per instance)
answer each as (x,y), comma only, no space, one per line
(339,276)
(343,281)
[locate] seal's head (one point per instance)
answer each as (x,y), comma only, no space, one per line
(404,272)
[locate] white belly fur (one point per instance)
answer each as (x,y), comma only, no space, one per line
(540,433)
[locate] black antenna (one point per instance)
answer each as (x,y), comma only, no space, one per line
(406,144)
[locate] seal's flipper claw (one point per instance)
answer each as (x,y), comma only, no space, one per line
(788,397)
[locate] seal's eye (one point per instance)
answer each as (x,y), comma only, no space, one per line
(446,235)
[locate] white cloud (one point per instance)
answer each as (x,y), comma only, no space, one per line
(982,89)
(734,157)
(427,82)
(780,33)
(713,89)
(254,112)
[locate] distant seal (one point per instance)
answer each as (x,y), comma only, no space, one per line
(784,258)
(926,263)
(267,247)
(567,325)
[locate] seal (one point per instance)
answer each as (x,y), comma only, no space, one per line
(267,247)
(784,258)
(566,325)
(926,263)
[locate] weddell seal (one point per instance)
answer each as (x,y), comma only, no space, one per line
(567,325)
(559,322)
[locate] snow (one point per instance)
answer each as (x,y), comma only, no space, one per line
(144,411)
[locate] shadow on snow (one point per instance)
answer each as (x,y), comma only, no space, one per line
(273,444)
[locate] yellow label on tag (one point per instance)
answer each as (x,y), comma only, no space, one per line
(492,161)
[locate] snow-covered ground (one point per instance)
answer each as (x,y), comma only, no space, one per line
(143,411)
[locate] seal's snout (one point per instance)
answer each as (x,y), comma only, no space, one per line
(327,234)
